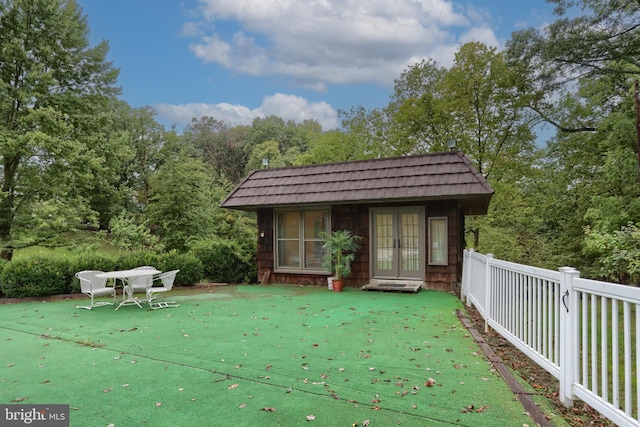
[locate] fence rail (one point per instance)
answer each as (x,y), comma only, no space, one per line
(584,332)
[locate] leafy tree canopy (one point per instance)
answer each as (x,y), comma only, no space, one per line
(52,88)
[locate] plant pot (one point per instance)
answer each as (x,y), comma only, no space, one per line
(337,285)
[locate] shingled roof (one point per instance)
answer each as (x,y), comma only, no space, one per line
(437,176)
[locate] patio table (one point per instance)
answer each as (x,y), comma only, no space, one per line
(123,275)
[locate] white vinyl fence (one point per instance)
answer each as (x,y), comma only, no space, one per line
(583,332)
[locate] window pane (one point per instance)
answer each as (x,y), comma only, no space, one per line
(313,252)
(288,225)
(288,253)
(438,240)
(315,222)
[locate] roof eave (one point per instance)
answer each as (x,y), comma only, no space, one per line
(472,204)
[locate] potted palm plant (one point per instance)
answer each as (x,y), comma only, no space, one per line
(340,247)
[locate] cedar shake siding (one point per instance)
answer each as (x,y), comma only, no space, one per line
(444,185)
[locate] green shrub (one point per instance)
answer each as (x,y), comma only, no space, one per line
(191,271)
(88,261)
(36,277)
(138,259)
(226,261)
(3,264)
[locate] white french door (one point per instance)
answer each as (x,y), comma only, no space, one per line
(398,243)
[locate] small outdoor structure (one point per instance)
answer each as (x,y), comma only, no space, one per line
(409,211)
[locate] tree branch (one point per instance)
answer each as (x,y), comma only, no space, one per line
(559,126)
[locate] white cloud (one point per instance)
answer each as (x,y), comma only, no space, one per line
(482,34)
(322,42)
(287,107)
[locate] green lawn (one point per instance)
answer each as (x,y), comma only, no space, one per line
(254,356)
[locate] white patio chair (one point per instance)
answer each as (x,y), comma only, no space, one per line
(167,280)
(95,287)
(139,284)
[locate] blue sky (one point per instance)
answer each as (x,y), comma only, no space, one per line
(235,60)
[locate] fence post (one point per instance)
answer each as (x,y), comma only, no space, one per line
(466,268)
(568,334)
(488,290)
(463,283)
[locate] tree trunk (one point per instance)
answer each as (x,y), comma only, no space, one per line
(6,209)
(637,102)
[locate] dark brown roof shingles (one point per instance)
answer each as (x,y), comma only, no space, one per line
(431,176)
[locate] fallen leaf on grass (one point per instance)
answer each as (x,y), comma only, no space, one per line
(158,404)
(242,406)
(269,409)
(430,382)
(472,408)
(232,386)
(311,417)
(107,390)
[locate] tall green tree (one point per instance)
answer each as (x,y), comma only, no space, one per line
(590,39)
(420,123)
(181,206)
(292,139)
(328,147)
(489,120)
(590,178)
(219,146)
(53,87)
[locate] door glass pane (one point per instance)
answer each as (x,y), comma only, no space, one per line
(384,241)
(437,240)
(409,241)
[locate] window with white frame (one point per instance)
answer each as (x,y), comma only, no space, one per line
(298,241)
(438,248)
